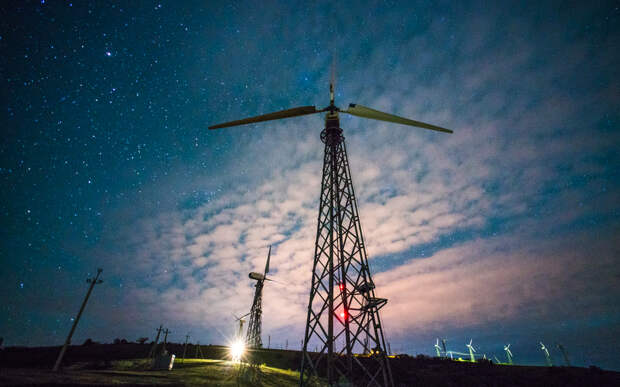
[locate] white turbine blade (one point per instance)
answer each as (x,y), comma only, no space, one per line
(332,81)
(239,318)
(470,341)
(267,265)
(366,112)
(279,282)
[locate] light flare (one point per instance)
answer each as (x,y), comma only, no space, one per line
(237,349)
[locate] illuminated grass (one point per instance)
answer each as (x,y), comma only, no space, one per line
(136,372)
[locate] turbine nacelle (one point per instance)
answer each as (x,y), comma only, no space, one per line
(257,276)
(262,277)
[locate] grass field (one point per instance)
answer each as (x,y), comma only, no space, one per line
(125,365)
(191,372)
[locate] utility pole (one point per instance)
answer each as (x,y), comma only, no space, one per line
(268,341)
(185,348)
(92,283)
(165,339)
(198,350)
(154,347)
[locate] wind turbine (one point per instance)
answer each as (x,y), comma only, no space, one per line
(342,301)
(561,348)
(471,351)
(443,345)
(546,352)
(253,339)
(508,353)
(437,348)
(241,322)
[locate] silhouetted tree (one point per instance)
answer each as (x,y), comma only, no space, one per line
(142,340)
(89,341)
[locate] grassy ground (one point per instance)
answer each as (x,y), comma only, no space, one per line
(191,372)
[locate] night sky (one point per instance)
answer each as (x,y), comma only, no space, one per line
(504,232)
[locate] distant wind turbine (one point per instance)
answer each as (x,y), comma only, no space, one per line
(437,348)
(508,353)
(561,348)
(546,352)
(471,351)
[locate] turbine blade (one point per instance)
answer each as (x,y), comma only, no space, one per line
(267,265)
(239,318)
(294,112)
(278,281)
(366,112)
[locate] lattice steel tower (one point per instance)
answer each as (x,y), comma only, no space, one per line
(343,311)
(253,339)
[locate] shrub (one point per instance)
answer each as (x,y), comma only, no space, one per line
(142,340)
(88,341)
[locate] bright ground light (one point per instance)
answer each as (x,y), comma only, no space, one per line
(237,348)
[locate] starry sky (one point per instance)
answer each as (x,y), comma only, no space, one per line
(504,232)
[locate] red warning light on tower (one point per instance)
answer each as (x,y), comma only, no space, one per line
(341,286)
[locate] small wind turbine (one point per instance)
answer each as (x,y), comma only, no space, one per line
(561,348)
(471,351)
(508,353)
(254,339)
(437,348)
(546,352)
(241,322)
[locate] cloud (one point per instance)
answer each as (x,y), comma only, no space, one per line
(514,167)
(499,280)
